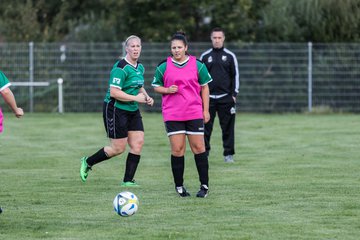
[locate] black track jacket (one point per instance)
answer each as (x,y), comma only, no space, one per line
(223,68)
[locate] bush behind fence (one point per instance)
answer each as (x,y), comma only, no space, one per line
(274,77)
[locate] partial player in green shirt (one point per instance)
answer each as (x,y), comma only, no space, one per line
(9,98)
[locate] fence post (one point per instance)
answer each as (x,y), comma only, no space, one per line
(31,76)
(60,95)
(309,76)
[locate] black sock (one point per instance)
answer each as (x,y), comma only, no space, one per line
(202,165)
(132,162)
(177,167)
(97,157)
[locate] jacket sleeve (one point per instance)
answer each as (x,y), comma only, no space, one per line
(235,76)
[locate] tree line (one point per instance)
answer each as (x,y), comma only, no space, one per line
(155,21)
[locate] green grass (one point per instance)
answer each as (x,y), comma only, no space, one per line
(295,177)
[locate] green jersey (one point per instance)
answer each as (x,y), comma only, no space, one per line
(4,82)
(128,79)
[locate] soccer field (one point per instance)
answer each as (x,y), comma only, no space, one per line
(295,176)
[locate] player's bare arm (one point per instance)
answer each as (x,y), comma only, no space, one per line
(166,90)
(149,100)
(120,95)
(10,100)
(205,100)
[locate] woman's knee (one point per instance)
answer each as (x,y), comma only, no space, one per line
(178,151)
(136,146)
(114,150)
(119,150)
(198,148)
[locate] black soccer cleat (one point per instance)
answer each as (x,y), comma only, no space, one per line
(182,191)
(203,192)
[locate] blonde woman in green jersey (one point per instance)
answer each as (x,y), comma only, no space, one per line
(122,118)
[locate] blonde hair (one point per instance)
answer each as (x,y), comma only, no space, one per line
(130,37)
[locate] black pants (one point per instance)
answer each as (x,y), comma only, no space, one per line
(225,108)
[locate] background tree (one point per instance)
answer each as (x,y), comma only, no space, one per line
(310,20)
(17,20)
(243,20)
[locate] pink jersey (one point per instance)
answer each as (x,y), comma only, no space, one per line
(186,104)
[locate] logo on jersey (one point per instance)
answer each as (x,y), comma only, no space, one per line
(224,58)
(137,83)
(116,80)
(210,59)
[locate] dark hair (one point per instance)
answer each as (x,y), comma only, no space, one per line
(180,36)
(217,29)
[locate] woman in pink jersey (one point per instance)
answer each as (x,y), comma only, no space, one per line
(183,82)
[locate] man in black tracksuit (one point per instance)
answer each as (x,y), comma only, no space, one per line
(223,68)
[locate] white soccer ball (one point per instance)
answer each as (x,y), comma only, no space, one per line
(126,204)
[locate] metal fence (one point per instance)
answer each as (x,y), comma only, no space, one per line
(274,77)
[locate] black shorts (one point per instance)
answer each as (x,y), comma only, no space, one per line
(118,122)
(190,127)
